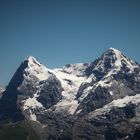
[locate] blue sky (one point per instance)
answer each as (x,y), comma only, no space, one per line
(58,32)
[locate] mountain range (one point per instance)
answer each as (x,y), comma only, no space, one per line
(85,101)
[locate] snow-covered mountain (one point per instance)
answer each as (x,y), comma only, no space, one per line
(77,101)
(111,76)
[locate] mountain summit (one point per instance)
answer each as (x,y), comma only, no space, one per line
(111,59)
(98,100)
(110,77)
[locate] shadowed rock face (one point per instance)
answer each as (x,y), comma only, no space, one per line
(95,100)
(104,64)
(105,106)
(50,93)
(8,104)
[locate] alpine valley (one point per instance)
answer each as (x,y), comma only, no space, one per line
(86,101)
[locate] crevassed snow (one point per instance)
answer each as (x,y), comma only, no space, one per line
(76,69)
(71,82)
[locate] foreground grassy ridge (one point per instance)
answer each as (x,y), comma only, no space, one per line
(18,131)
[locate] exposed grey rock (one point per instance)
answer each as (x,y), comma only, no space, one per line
(51,92)
(8,103)
(117,124)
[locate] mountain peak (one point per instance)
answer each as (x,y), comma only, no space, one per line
(114,50)
(112,59)
(117,56)
(119,59)
(32,60)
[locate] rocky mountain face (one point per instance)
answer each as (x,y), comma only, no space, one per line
(92,101)
(112,76)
